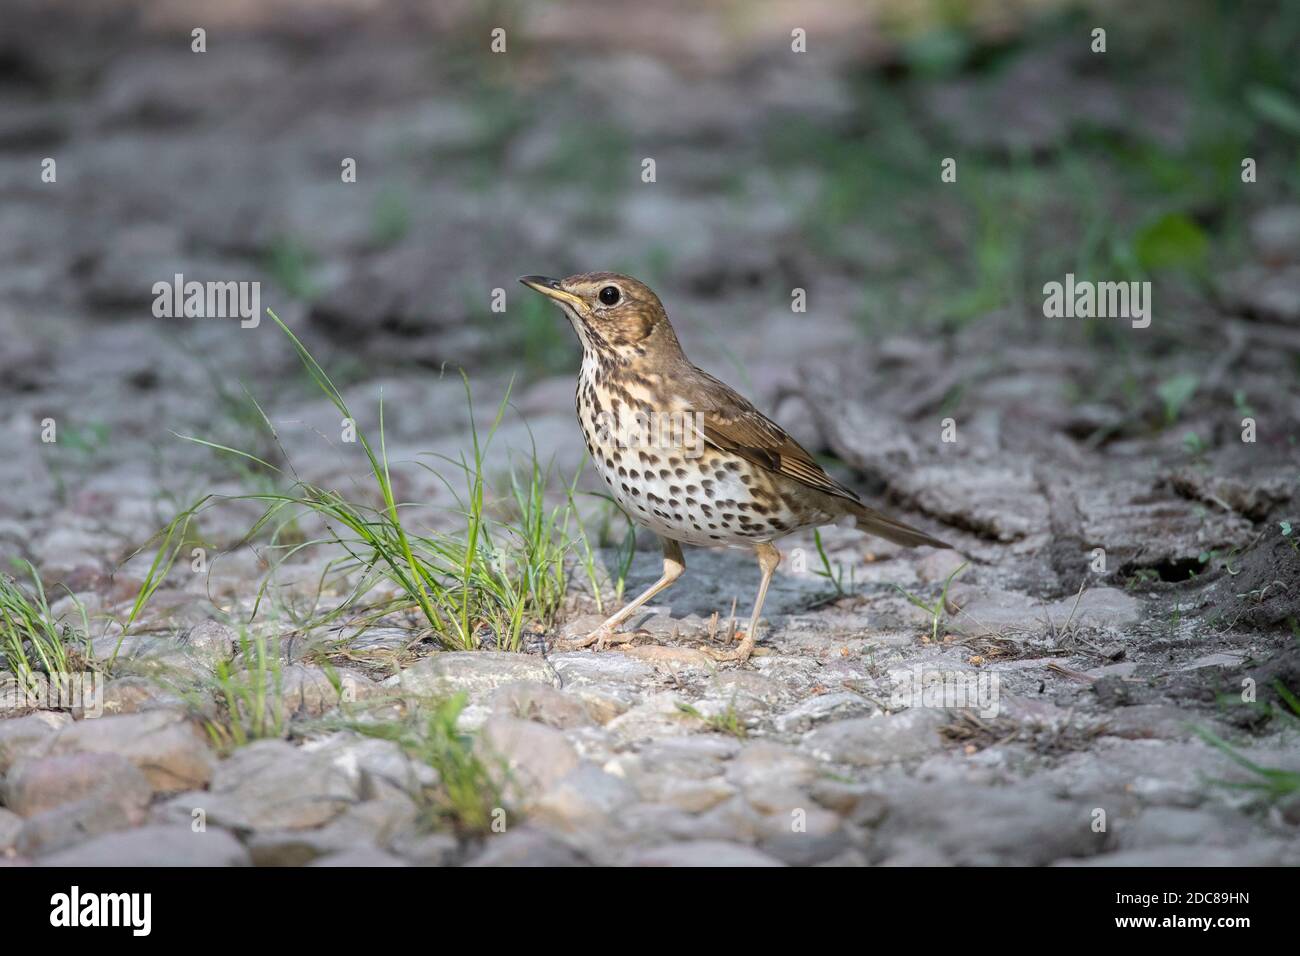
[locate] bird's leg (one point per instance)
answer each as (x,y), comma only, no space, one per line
(674,565)
(769,556)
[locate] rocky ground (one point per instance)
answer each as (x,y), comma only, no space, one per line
(1123,586)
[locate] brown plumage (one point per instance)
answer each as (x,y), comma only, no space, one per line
(684,454)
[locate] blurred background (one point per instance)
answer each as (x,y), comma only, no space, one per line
(775,170)
(1122,501)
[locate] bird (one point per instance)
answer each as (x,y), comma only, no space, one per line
(684,454)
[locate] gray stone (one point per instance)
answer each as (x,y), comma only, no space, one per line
(579,668)
(360,857)
(1275,233)
(799,832)
(848,857)
(855,802)
(779,799)
(270,785)
(472,672)
(288,847)
(987,826)
(154,845)
(745,683)
(533,700)
(734,820)
(937,566)
(1002,501)
(29,734)
(914,854)
(603,703)
(1174,826)
(835,705)
(35,785)
(1290,808)
(704,853)
(429,849)
(171,751)
(373,767)
(670,660)
(872,741)
(692,796)
(991,608)
(13,699)
(371,823)
(1222,659)
(665,629)
(11,824)
(649,824)
(762,764)
(582,800)
(748,693)
(525,846)
(1159,772)
(1096,607)
(535,757)
(1271,294)
(133,695)
(996,610)
(307,690)
(1153,722)
(211,642)
(1254,853)
(685,758)
(69,824)
(659,715)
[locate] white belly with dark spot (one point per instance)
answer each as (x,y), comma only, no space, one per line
(670,482)
(694,500)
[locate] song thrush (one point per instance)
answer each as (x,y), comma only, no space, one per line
(683,454)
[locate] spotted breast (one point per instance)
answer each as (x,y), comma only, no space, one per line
(652,454)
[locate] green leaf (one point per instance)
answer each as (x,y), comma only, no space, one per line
(1175,392)
(1276,107)
(937,52)
(1171,242)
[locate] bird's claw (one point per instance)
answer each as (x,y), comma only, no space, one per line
(737,655)
(602,637)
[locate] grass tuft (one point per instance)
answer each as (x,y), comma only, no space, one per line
(834,575)
(728,722)
(1272,782)
(939,609)
(468,794)
(31,640)
(251,696)
(482,586)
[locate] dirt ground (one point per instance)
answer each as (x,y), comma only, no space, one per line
(1124,595)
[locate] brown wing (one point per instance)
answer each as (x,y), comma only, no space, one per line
(732,424)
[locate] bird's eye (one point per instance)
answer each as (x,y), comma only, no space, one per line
(609,294)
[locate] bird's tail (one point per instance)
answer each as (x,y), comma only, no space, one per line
(873,522)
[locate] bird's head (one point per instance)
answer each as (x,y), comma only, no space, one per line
(614,315)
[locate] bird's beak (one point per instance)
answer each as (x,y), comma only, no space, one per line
(551,289)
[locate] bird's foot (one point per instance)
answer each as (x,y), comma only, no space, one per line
(739,654)
(601,637)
